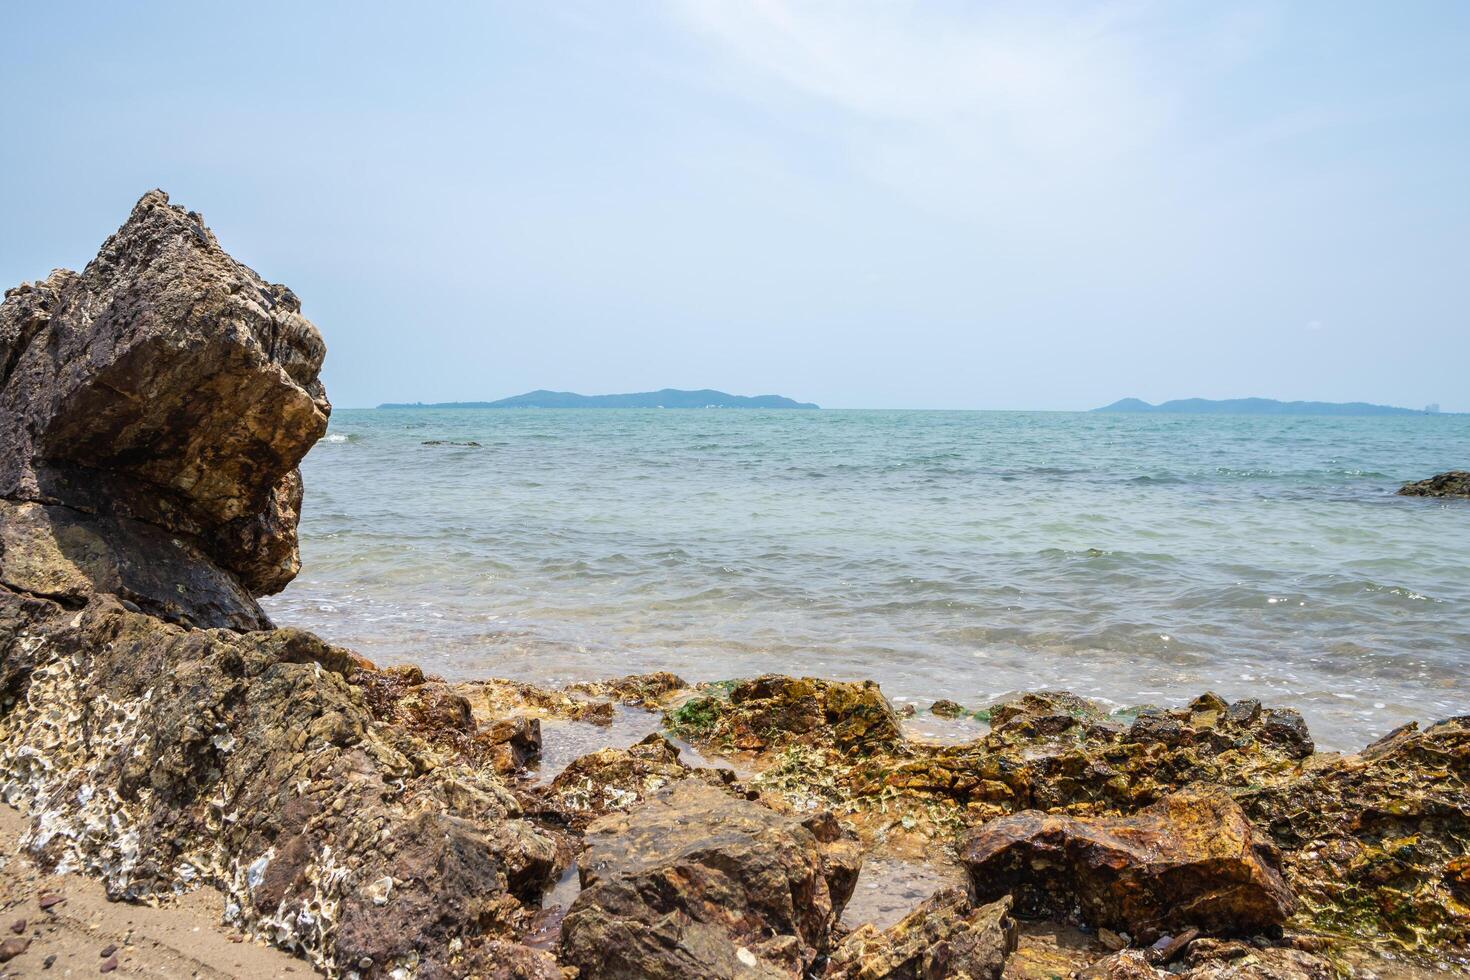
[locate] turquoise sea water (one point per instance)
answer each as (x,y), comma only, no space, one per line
(945,554)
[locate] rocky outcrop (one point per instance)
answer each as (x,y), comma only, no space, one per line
(160,757)
(1455,483)
(697,883)
(1192,860)
(153,410)
(1377,844)
(947,937)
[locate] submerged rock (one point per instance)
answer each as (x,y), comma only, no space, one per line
(1455,483)
(1192,860)
(698,883)
(946,938)
(154,408)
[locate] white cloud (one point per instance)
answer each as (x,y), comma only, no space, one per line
(969,101)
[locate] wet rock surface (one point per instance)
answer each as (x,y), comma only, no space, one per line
(773,711)
(1455,483)
(695,882)
(946,936)
(157,404)
(1190,861)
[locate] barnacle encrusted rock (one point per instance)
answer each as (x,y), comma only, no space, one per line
(155,407)
(159,757)
(1191,860)
(619,778)
(698,883)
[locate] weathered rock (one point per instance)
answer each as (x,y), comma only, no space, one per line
(1376,844)
(773,710)
(158,757)
(698,883)
(946,938)
(157,404)
(1190,861)
(437,712)
(945,708)
(617,779)
(639,690)
(1455,483)
(1217,962)
(1041,714)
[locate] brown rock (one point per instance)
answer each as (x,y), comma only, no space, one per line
(947,936)
(157,404)
(254,760)
(12,948)
(1455,483)
(697,883)
(945,708)
(774,710)
(639,690)
(616,779)
(1190,861)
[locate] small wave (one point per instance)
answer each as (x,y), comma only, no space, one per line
(336,437)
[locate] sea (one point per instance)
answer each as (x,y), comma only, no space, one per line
(1134,559)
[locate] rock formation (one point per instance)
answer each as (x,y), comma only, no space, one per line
(947,935)
(696,883)
(153,410)
(1190,861)
(1455,483)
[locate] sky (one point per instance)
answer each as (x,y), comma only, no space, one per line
(1025,205)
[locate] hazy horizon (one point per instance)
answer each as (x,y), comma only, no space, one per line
(429,403)
(1015,206)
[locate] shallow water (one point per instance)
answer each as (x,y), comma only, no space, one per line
(945,554)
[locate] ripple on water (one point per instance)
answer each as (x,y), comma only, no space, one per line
(942,554)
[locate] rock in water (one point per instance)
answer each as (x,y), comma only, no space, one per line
(153,410)
(1191,860)
(697,883)
(946,938)
(1455,483)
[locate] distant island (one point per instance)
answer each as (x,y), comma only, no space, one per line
(666,398)
(1258,406)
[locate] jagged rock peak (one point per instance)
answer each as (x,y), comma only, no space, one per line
(155,407)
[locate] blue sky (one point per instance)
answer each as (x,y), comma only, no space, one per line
(941,205)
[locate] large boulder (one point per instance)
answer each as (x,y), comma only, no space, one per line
(153,410)
(1191,861)
(698,883)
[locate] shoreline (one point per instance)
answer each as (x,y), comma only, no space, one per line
(168,739)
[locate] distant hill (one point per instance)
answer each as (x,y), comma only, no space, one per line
(667,398)
(1254,406)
